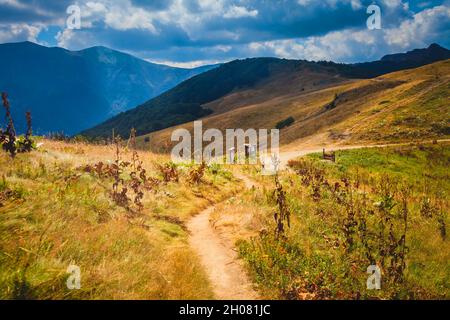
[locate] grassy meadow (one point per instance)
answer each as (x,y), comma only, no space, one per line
(309,233)
(56,210)
(375,206)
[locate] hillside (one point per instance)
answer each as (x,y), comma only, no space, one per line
(400,106)
(72,90)
(185,102)
(251,82)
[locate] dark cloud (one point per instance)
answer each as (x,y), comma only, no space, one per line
(209,30)
(21,11)
(152,4)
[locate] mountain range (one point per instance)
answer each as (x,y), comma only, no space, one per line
(68,91)
(243,84)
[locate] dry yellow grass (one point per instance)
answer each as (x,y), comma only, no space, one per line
(52,215)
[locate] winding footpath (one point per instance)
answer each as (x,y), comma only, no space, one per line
(227,276)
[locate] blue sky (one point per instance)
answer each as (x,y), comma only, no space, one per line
(195,32)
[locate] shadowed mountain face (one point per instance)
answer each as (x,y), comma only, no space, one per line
(399,61)
(245,82)
(434,52)
(71,91)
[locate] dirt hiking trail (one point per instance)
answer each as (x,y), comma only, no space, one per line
(219,259)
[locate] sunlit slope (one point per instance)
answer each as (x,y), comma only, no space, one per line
(417,109)
(190,100)
(401,106)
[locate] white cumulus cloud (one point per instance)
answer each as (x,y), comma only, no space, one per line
(235,12)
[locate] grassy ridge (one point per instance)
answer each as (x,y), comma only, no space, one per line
(396,107)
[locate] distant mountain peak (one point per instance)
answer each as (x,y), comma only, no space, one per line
(436,46)
(434,51)
(28,43)
(102,49)
(73,90)
(21,44)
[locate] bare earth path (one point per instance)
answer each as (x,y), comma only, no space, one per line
(228,279)
(226,274)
